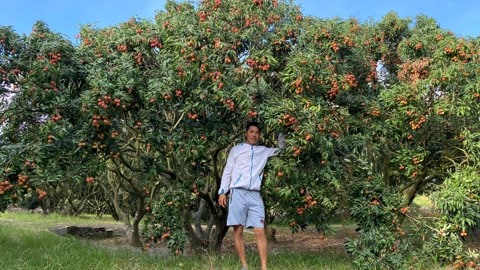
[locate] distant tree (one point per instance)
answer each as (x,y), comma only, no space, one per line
(42,81)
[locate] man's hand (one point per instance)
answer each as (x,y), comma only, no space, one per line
(281,141)
(222,200)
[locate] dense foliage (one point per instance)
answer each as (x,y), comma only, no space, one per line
(137,119)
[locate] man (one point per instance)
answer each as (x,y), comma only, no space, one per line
(242,176)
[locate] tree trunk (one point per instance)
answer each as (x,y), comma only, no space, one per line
(135,239)
(410,193)
(124,217)
(196,242)
(210,238)
(219,232)
(271,233)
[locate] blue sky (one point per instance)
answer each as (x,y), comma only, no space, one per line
(66,16)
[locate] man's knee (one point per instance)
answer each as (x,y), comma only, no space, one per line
(259,231)
(238,230)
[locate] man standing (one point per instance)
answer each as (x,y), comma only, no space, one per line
(242,176)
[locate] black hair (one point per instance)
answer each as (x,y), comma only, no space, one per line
(252,124)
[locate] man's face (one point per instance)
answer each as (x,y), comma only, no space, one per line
(252,135)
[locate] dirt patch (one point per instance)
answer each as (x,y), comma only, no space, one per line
(309,240)
(305,241)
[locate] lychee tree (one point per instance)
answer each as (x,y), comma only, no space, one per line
(169,97)
(41,84)
(422,143)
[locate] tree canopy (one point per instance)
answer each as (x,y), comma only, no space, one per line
(137,120)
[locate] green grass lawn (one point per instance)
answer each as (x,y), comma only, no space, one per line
(26,243)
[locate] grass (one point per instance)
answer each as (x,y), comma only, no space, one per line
(26,243)
(43,222)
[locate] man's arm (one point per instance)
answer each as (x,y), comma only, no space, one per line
(226,177)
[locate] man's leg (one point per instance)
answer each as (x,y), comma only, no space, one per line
(239,244)
(262,245)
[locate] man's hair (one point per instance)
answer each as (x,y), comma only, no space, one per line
(253,124)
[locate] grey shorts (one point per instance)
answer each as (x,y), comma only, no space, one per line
(246,208)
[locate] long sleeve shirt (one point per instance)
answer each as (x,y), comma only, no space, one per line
(244,167)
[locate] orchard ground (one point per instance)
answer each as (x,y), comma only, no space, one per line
(308,240)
